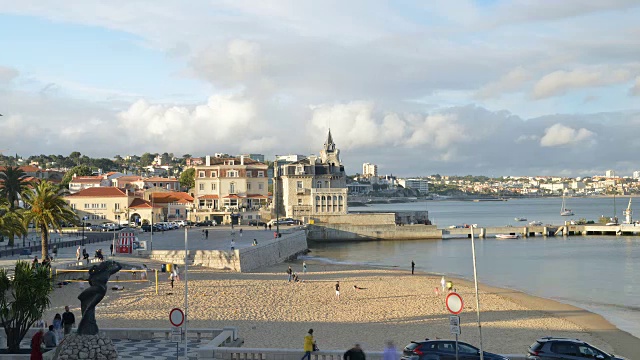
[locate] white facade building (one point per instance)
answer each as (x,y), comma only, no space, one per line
(610,173)
(421,185)
(369,170)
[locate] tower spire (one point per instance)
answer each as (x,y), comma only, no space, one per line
(329,143)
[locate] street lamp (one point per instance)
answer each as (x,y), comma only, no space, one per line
(84,218)
(275,189)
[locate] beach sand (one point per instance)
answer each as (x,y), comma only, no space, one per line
(395,305)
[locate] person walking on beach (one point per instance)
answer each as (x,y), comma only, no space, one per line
(413,267)
(390,352)
(304,267)
(289,274)
(443,282)
(172,278)
(68,319)
(338,289)
(309,345)
(355,353)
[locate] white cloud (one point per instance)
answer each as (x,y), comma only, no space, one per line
(7,74)
(559,82)
(438,130)
(510,82)
(560,135)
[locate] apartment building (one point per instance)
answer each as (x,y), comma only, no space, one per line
(421,185)
(79,183)
(230,189)
(369,170)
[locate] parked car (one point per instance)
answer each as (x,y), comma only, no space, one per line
(557,348)
(207,223)
(110,227)
(444,349)
(256,223)
(93,228)
(181,223)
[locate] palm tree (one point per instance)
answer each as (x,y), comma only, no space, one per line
(13,184)
(48,210)
(11,222)
(24,297)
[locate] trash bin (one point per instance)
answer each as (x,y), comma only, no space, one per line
(169,267)
(163,268)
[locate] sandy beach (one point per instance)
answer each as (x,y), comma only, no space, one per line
(394,305)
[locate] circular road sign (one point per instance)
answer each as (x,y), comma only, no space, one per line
(176,317)
(454,303)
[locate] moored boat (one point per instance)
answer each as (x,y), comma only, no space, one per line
(507,236)
(520,219)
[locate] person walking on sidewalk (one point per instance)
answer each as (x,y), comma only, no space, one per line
(78,253)
(68,319)
(206,234)
(111,249)
(355,353)
(413,267)
(309,345)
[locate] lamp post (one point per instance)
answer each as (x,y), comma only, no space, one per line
(275,189)
(84,218)
(151,240)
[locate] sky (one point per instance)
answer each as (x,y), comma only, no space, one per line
(455,87)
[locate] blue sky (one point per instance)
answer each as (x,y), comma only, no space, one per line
(404,79)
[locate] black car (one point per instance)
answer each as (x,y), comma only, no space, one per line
(256,223)
(557,348)
(147,227)
(445,350)
(205,223)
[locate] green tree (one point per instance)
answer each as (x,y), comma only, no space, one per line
(48,210)
(188,178)
(82,170)
(11,222)
(75,157)
(23,300)
(146,159)
(14,184)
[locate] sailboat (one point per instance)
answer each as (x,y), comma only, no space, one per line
(563,210)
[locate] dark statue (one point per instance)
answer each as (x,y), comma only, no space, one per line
(90,297)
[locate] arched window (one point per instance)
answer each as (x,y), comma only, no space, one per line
(335,203)
(340,204)
(324,204)
(318,184)
(317,204)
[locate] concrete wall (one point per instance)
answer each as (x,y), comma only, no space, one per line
(356,219)
(242,260)
(337,232)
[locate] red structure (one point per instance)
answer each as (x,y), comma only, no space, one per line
(124,245)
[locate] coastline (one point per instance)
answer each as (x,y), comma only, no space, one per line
(270,312)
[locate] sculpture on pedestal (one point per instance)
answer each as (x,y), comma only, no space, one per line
(90,297)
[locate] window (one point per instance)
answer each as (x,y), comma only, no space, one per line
(73,206)
(589,352)
(319,184)
(446,346)
(260,186)
(299,170)
(201,187)
(248,186)
(232,173)
(201,204)
(340,203)
(248,173)
(232,188)
(260,173)
(335,203)
(200,174)
(117,206)
(326,184)
(299,201)
(299,185)
(565,348)
(317,204)
(214,174)
(466,349)
(86,206)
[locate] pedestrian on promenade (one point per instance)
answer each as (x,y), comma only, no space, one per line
(390,352)
(57,327)
(355,353)
(68,319)
(304,267)
(413,267)
(55,252)
(269,226)
(338,289)
(240,232)
(255,242)
(275,234)
(78,253)
(203,233)
(111,249)
(289,274)
(36,345)
(265,227)
(443,282)
(309,345)
(206,233)
(233,245)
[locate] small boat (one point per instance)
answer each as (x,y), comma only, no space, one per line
(536,223)
(563,210)
(520,219)
(507,236)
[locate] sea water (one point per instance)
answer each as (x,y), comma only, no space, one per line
(597,273)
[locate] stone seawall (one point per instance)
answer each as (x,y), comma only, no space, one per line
(337,232)
(242,260)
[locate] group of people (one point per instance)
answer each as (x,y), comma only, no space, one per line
(46,262)
(355,353)
(293,276)
(60,327)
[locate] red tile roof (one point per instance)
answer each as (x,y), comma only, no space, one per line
(233,196)
(87,179)
(129,178)
(25,168)
(158,179)
(138,203)
(171,196)
(258,196)
(100,192)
